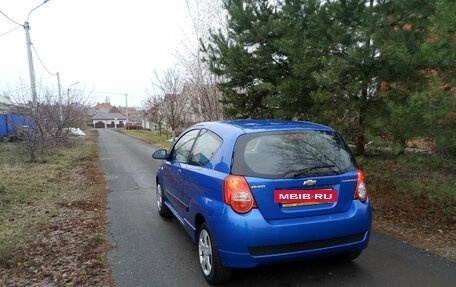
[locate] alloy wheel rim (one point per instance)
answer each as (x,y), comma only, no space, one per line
(205,252)
(159,197)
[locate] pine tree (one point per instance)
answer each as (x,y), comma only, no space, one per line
(352,64)
(245,57)
(410,67)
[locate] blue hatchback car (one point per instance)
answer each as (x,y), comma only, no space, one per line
(253,192)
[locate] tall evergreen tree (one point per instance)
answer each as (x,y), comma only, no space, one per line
(304,43)
(347,80)
(376,52)
(408,28)
(247,58)
(345,63)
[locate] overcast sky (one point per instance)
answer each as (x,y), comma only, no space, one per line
(110,47)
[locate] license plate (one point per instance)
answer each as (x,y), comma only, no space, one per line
(298,197)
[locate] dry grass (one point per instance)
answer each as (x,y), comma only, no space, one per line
(414,200)
(151,137)
(53,219)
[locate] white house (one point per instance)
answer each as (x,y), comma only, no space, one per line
(108,120)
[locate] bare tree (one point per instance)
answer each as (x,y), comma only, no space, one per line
(205,100)
(48,119)
(201,87)
(154,111)
(74,108)
(198,99)
(174,104)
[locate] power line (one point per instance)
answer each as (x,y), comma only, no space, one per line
(1,35)
(41,62)
(18,25)
(1,12)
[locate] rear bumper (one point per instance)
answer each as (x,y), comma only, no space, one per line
(248,240)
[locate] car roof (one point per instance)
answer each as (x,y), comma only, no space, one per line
(255,125)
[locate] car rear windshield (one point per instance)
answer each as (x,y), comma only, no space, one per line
(292,154)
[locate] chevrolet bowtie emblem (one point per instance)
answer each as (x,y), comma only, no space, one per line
(310,182)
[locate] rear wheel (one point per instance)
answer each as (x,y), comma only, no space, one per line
(211,265)
(163,210)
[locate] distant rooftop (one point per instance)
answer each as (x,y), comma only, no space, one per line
(108,116)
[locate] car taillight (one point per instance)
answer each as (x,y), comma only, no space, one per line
(237,194)
(361,188)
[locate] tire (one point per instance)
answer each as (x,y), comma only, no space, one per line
(210,263)
(163,210)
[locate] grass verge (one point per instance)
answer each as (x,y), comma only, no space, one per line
(151,137)
(413,198)
(52,216)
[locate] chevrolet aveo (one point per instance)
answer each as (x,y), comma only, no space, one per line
(253,192)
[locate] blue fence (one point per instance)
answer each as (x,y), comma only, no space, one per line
(10,122)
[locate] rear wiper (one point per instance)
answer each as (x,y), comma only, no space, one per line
(304,171)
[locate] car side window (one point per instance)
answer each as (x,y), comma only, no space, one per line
(205,147)
(183,146)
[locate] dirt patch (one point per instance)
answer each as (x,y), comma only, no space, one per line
(421,222)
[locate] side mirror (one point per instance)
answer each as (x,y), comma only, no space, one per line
(160,154)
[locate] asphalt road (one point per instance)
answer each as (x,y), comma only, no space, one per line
(151,251)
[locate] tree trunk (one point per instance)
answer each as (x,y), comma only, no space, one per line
(360,138)
(360,144)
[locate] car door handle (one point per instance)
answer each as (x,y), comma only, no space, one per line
(179,172)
